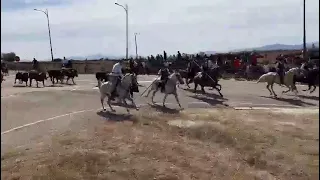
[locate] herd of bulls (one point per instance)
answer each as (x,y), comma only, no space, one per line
(54,75)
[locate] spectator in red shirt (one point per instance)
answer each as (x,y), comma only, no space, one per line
(253,59)
(237,63)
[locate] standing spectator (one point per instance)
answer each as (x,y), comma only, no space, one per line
(253,59)
(179,57)
(236,63)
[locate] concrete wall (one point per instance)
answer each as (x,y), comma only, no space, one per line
(82,67)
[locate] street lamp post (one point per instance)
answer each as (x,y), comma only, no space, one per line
(47,15)
(125,7)
(304,32)
(135,40)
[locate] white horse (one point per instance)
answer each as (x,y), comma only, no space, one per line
(272,77)
(122,90)
(170,87)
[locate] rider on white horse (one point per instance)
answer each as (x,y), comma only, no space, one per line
(117,74)
(280,68)
(164,75)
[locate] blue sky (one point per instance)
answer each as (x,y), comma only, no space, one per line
(86,27)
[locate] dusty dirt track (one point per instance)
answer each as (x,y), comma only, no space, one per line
(21,105)
(32,117)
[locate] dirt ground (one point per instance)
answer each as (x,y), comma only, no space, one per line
(192,144)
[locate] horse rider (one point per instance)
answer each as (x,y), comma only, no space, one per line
(164,76)
(131,66)
(117,73)
(280,68)
(191,69)
(64,62)
(35,64)
(204,71)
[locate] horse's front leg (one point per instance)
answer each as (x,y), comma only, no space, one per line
(195,87)
(109,104)
(101,100)
(308,88)
(164,100)
(295,89)
(187,83)
(202,89)
(73,80)
(283,92)
(133,103)
(314,88)
(125,104)
(269,89)
(218,91)
(177,99)
(153,94)
(275,95)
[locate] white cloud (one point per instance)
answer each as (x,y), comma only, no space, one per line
(98,26)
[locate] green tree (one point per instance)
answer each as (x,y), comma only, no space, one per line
(8,56)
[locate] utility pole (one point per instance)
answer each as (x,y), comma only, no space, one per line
(46,12)
(304,32)
(125,7)
(136,43)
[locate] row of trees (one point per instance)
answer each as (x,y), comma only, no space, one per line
(10,57)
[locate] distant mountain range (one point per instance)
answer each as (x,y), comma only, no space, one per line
(95,57)
(270,47)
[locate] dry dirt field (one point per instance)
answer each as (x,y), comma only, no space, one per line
(193,144)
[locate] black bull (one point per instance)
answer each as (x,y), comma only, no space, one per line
(60,74)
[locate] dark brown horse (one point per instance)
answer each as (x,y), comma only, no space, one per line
(210,80)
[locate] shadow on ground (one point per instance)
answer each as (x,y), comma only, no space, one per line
(210,100)
(296,102)
(315,98)
(164,109)
(209,93)
(110,116)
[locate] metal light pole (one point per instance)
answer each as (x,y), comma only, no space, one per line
(135,40)
(125,7)
(304,32)
(47,15)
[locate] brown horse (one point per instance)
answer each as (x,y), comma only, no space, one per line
(211,81)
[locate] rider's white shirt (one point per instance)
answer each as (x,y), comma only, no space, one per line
(117,69)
